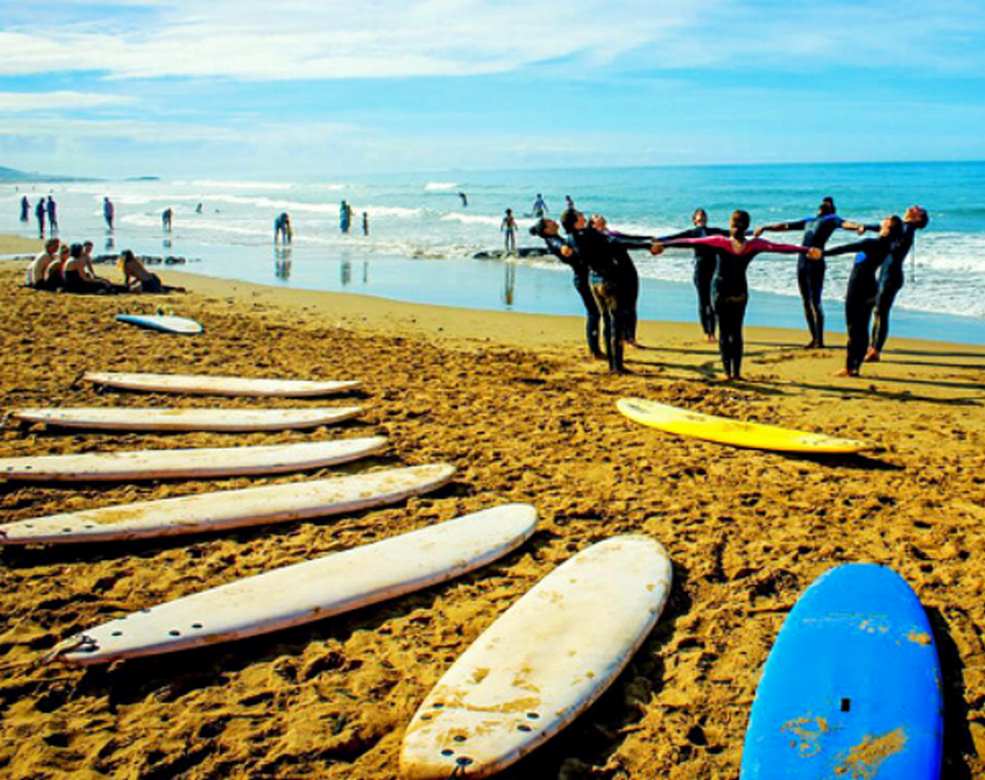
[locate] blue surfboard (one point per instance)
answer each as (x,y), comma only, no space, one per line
(852,687)
(165,323)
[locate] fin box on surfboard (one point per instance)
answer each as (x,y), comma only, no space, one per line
(541,663)
(308,591)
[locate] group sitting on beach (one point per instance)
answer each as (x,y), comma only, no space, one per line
(608,284)
(69,268)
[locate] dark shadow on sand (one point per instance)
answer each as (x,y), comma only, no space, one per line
(957,734)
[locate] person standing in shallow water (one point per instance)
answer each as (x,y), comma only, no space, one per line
(25,209)
(508,227)
(365,224)
(52,209)
(39,213)
(810,275)
(465,200)
(109,213)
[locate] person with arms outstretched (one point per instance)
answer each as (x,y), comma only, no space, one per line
(863,288)
(549,231)
(810,275)
(891,278)
(705,262)
(629,283)
(730,289)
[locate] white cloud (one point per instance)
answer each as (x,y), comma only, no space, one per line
(59,100)
(249,40)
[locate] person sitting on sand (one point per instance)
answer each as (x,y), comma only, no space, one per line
(90,271)
(54,278)
(136,278)
(37,271)
(77,279)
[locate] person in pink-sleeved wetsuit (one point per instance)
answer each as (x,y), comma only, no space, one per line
(730,291)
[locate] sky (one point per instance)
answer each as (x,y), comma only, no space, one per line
(295,90)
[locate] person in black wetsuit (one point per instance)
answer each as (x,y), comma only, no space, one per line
(810,276)
(891,278)
(730,290)
(630,283)
(602,255)
(705,261)
(549,231)
(25,208)
(860,296)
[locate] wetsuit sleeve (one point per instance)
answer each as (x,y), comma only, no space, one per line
(692,233)
(761,245)
(718,242)
(630,242)
(845,249)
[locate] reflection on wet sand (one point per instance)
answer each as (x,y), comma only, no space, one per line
(282,262)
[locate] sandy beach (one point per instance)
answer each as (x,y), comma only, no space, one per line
(511,400)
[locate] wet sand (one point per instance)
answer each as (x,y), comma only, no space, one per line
(511,400)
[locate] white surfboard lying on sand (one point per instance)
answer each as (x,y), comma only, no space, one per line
(163,323)
(308,591)
(154,419)
(541,664)
(230,508)
(189,463)
(195,384)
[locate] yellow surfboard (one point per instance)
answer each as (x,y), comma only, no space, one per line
(735,432)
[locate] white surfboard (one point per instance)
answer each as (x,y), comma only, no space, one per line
(308,591)
(163,323)
(230,508)
(154,419)
(542,663)
(201,384)
(189,463)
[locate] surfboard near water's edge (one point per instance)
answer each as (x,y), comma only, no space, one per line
(541,663)
(162,323)
(205,384)
(724,430)
(198,463)
(125,418)
(224,509)
(851,687)
(308,591)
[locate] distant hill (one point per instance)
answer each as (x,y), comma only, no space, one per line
(12,174)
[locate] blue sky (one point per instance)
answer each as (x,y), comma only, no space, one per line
(303,89)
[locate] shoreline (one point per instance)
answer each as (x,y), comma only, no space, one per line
(495,286)
(512,401)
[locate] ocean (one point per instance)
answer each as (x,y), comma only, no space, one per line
(421,238)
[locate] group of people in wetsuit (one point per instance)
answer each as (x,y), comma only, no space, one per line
(45,208)
(606,278)
(68,268)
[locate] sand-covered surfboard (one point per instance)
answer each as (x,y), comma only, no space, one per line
(724,430)
(201,463)
(230,508)
(852,686)
(156,419)
(308,591)
(541,663)
(203,384)
(163,323)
